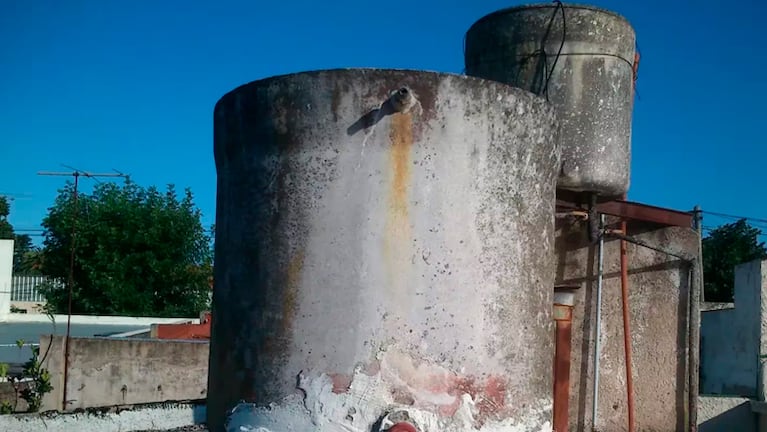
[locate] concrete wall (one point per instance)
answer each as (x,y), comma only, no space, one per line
(732,339)
(658,299)
(6,277)
(108,372)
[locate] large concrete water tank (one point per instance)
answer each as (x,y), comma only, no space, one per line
(383,242)
(586,56)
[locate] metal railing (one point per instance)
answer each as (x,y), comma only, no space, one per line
(25,288)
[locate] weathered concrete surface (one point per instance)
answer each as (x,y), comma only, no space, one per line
(731,338)
(725,414)
(156,417)
(108,372)
(658,286)
(377,258)
(591,83)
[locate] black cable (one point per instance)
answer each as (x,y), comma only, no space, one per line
(734,216)
(561,8)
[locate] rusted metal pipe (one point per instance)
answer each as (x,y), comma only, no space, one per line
(627,329)
(573,214)
(564,300)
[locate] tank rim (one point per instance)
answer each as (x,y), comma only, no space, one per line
(268,79)
(513,9)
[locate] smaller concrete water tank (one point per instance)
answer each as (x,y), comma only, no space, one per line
(581,59)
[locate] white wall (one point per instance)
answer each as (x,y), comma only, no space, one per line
(6,276)
(733,339)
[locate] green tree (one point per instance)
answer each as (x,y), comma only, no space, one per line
(138,252)
(6,229)
(723,249)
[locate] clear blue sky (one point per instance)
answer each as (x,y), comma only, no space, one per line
(131,85)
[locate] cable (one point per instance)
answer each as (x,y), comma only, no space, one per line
(560,7)
(725,215)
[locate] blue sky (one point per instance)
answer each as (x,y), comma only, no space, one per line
(131,86)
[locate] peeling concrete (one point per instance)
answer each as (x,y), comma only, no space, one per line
(319,407)
(425,230)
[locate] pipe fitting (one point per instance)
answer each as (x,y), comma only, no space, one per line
(401,100)
(402,427)
(397,421)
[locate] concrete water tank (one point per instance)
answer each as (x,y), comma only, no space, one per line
(586,56)
(383,248)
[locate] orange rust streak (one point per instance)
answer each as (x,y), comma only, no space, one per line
(401,136)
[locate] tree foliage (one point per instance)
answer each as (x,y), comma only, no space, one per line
(723,249)
(6,229)
(26,256)
(138,252)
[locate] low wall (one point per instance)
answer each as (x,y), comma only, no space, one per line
(725,414)
(162,417)
(109,372)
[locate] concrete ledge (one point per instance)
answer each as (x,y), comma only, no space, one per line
(712,306)
(725,414)
(150,417)
(98,319)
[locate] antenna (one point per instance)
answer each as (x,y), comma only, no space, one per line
(70,280)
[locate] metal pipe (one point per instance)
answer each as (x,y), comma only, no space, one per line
(617,234)
(627,329)
(696,290)
(564,300)
(572,213)
(598,325)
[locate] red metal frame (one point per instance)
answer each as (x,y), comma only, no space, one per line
(637,211)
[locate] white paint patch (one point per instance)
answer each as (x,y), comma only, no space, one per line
(357,410)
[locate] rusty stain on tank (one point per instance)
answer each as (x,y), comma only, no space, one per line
(397,237)
(401,135)
(293,278)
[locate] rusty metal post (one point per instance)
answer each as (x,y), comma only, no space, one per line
(564,300)
(627,327)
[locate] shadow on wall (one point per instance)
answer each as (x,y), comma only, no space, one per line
(739,418)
